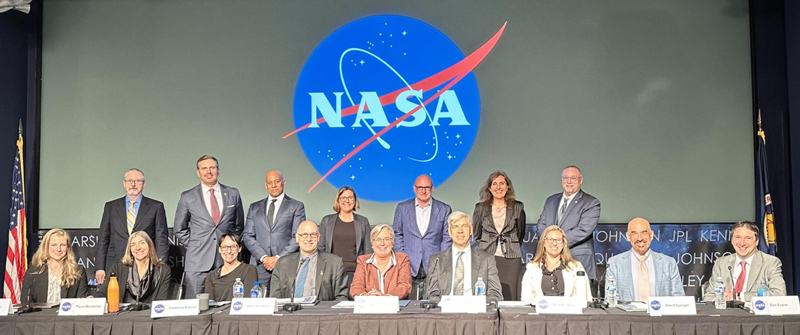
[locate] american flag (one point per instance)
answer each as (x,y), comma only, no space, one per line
(17,259)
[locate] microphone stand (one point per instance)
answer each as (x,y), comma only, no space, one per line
(28,308)
(291,306)
(427,304)
(138,306)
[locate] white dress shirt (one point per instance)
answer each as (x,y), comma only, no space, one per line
(207,198)
(466,258)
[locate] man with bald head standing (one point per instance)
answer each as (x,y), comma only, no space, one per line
(641,272)
(204,213)
(271,225)
(420,229)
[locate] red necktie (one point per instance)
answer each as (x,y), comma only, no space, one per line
(214,207)
(740,280)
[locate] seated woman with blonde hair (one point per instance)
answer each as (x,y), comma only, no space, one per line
(54,274)
(383,272)
(553,271)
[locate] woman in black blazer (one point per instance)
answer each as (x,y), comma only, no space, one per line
(140,274)
(499,227)
(345,234)
(54,274)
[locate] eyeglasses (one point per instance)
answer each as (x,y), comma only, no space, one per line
(424,188)
(573,178)
(385,240)
(550,240)
(347,198)
(229,248)
(308,235)
(134,181)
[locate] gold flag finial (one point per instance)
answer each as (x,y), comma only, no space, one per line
(760,131)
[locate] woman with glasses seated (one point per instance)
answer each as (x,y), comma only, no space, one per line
(345,234)
(54,274)
(219,283)
(141,276)
(384,272)
(553,271)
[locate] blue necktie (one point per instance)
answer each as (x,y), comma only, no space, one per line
(301,279)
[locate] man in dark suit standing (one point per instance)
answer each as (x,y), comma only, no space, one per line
(577,213)
(420,229)
(121,217)
(204,213)
(318,273)
(271,226)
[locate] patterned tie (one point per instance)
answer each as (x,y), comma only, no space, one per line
(458,282)
(271,213)
(214,207)
(740,280)
(644,279)
(563,208)
(131,216)
(301,279)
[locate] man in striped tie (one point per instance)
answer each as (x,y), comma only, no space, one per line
(133,212)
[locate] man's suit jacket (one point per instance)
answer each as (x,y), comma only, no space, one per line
(513,231)
(361,223)
(440,276)
(330,282)
(113,235)
(263,240)
(195,229)
(532,282)
(408,239)
(396,282)
(764,267)
(668,280)
(35,285)
(161,277)
(578,224)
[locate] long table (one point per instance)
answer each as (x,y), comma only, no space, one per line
(411,320)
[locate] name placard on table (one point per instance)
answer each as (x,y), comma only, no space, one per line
(559,305)
(377,305)
(682,305)
(165,308)
(776,305)
(6,307)
(463,304)
(82,306)
(253,306)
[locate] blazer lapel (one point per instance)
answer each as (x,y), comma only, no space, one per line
(284,204)
(571,207)
(755,268)
(202,204)
(569,282)
(476,263)
(507,226)
(320,275)
(446,282)
(434,214)
(359,239)
(144,206)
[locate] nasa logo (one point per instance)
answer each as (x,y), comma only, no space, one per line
(66,307)
(384,99)
(655,305)
(760,305)
(237,306)
(542,304)
(159,308)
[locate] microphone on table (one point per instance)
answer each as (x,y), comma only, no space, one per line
(734,303)
(28,308)
(291,306)
(427,304)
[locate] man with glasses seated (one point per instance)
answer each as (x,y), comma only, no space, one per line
(745,270)
(641,272)
(122,216)
(318,274)
(420,229)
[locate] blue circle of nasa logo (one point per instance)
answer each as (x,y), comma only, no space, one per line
(380,101)
(543,304)
(760,305)
(66,307)
(655,305)
(237,306)
(159,308)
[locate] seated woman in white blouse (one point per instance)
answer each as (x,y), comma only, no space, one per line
(553,271)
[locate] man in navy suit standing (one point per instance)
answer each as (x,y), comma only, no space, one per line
(271,226)
(122,216)
(577,213)
(204,213)
(420,230)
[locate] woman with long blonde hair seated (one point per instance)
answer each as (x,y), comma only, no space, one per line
(553,271)
(54,274)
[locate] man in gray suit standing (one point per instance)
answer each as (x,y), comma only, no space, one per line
(271,226)
(204,213)
(641,272)
(577,213)
(456,270)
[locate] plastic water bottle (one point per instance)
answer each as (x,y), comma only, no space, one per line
(255,292)
(238,288)
(763,290)
(611,291)
(480,287)
(719,294)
